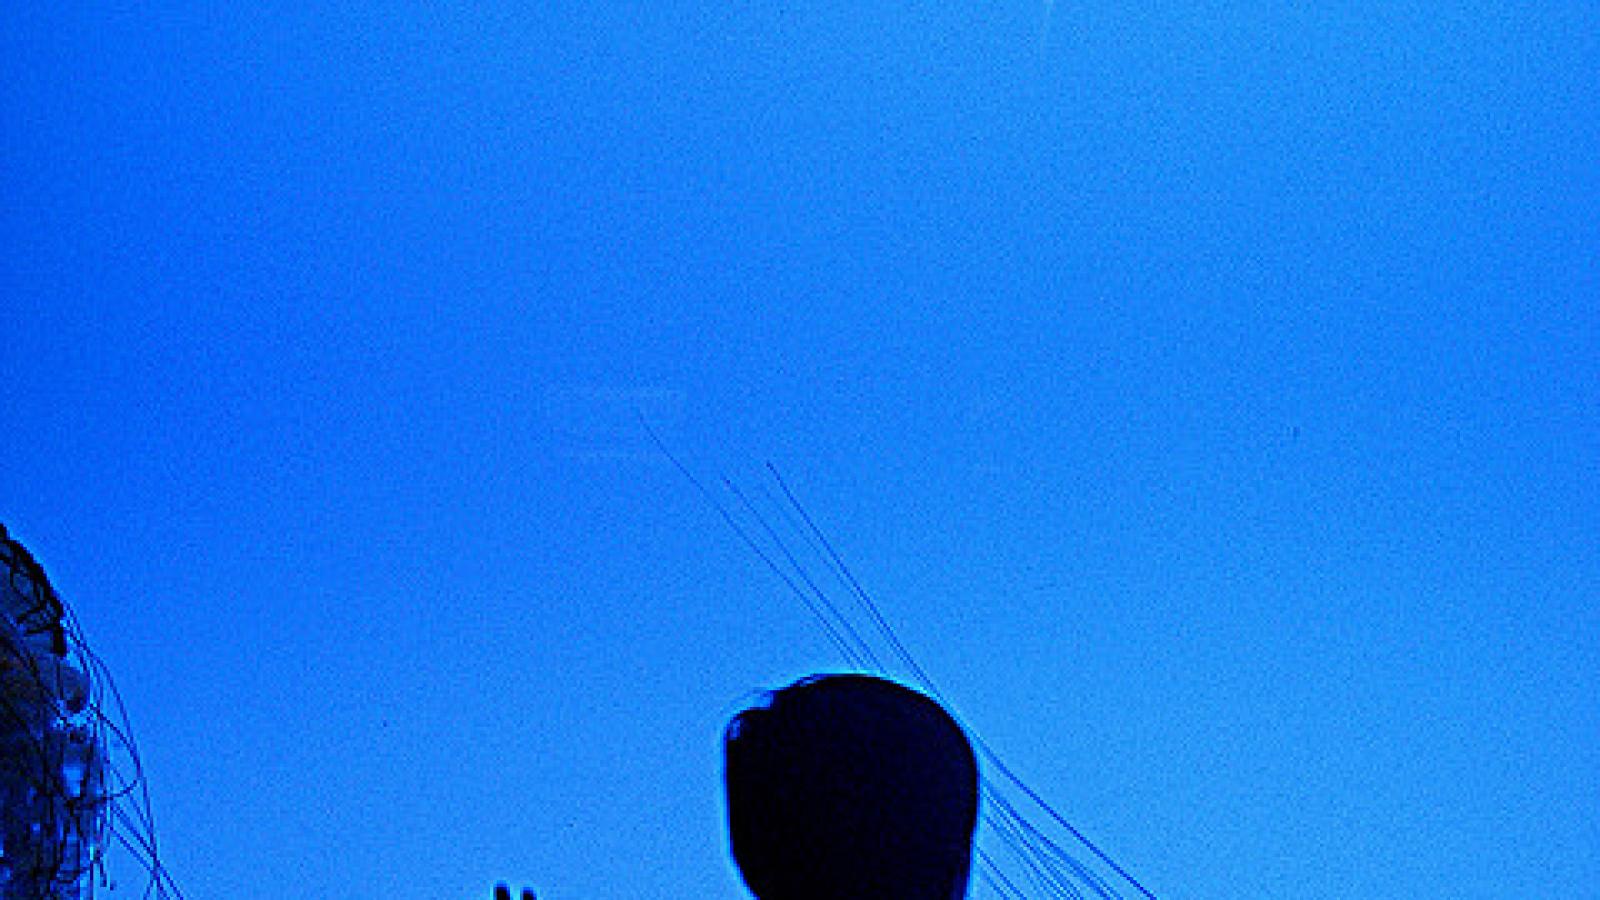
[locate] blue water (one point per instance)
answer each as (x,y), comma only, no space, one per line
(1206,394)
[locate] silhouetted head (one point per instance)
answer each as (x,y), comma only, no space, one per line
(851,787)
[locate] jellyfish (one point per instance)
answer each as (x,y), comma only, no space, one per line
(70,781)
(1025,846)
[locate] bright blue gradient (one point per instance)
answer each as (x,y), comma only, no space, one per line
(1208,394)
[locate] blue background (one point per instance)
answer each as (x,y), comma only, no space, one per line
(1207,392)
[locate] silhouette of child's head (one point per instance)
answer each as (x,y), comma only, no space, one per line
(851,787)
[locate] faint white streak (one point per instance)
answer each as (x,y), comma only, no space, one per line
(600,422)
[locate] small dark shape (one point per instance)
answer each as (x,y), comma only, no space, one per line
(849,787)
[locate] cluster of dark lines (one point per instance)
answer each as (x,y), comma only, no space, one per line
(1039,860)
(118,811)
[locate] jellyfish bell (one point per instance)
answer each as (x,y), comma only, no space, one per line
(49,770)
(69,772)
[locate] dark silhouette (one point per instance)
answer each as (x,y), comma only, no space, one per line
(502,892)
(851,787)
